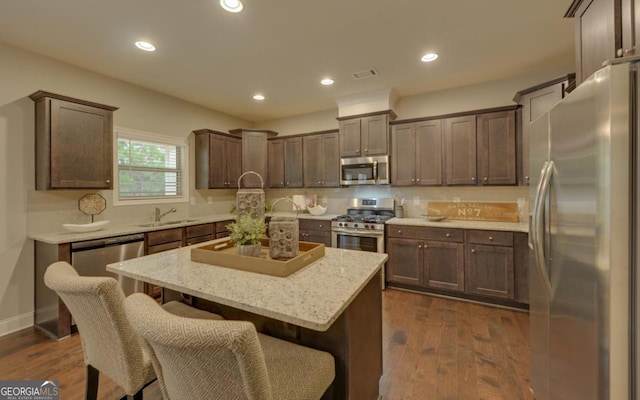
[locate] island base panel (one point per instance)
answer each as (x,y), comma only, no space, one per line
(354,339)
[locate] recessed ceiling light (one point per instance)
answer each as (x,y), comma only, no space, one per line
(327,81)
(258,97)
(234,6)
(429,57)
(146,46)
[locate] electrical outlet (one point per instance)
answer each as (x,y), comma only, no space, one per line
(456,199)
(209,200)
(193,200)
(416,200)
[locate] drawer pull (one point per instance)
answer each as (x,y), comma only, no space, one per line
(473,251)
(448,235)
(320,225)
(490,237)
(399,232)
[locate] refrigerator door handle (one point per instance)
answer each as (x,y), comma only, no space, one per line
(544,187)
(536,203)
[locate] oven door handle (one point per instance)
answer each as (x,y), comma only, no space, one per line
(372,234)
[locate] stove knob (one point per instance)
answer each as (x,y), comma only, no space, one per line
(366,226)
(340,224)
(355,225)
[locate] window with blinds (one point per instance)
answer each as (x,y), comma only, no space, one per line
(150,167)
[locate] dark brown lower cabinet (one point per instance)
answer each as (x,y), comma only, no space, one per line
(405,261)
(316,231)
(489,266)
(156,242)
(444,265)
(489,271)
(426,263)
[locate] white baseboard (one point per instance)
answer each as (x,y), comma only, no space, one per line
(16,323)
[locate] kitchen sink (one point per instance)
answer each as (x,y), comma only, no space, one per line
(156,224)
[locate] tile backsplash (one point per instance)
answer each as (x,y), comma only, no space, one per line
(48,210)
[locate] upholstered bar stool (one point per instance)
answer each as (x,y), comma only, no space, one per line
(198,359)
(109,343)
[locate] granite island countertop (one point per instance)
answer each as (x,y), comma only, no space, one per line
(459,224)
(121,229)
(313,297)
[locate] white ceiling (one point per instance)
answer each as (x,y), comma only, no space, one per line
(282,48)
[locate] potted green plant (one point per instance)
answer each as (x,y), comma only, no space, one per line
(246,233)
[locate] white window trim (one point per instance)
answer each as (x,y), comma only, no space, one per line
(157,138)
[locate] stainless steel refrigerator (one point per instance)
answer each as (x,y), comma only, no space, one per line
(583,240)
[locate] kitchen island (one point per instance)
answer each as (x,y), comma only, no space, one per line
(334,304)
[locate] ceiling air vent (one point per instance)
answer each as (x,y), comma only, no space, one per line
(367,73)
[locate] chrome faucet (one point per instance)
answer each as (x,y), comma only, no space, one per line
(159,216)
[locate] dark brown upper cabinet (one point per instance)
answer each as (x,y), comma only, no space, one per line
(604,29)
(254,155)
(496,148)
(285,163)
(416,154)
(275,164)
(460,150)
(535,101)
(74,143)
(365,135)
(293,168)
(218,159)
(321,160)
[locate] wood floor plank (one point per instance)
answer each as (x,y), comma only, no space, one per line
(433,349)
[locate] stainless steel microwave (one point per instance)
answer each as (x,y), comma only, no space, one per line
(364,170)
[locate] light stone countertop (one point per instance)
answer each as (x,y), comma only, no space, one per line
(121,229)
(452,223)
(313,297)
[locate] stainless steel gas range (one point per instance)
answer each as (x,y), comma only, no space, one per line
(362,227)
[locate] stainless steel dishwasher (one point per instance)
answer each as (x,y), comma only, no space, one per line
(90,258)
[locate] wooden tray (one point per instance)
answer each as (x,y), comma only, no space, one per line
(224,254)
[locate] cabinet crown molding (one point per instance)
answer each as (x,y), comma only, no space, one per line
(41,94)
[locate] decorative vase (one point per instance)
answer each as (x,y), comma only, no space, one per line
(250,201)
(249,250)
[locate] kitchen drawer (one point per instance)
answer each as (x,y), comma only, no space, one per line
(165,236)
(199,230)
(426,233)
(495,238)
(199,239)
(221,227)
(164,247)
(314,225)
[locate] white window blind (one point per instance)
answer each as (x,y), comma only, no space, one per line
(150,166)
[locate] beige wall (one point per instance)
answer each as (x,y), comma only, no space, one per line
(474,97)
(22,209)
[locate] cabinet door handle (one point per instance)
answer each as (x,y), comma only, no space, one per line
(319,181)
(473,178)
(485,179)
(418,180)
(420,246)
(108,180)
(473,251)
(413,180)
(526,177)
(366,150)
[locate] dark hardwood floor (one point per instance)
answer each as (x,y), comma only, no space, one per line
(433,349)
